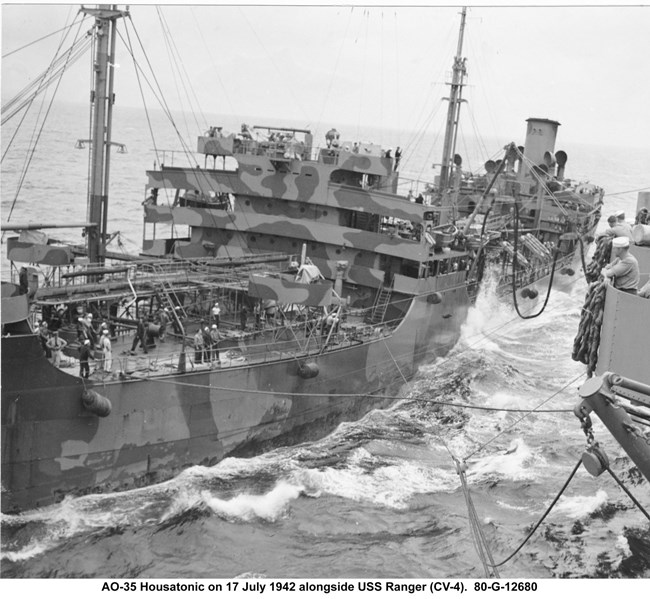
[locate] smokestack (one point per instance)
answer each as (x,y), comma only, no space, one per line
(561,158)
(540,139)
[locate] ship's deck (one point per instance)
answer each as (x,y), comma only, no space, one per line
(268,343)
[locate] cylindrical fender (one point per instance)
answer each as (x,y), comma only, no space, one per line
(308,370)
(434,298)
(96,403)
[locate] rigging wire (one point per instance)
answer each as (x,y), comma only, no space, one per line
(366,16)
(546,513)
(335,69)
(478,537)
(186,150)
(34,142)
(526,412)
(619,193)
(535,410)
(481,544)
(634,499)
(175,58)
(54,72)
(398,85)
(281,72)
(40,39)
(215,68)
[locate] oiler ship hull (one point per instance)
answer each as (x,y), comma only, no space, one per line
(53,446)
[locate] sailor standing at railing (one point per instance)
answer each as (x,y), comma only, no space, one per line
(56,344)
(198,346)
(624,268)
(105,343)
(214,344)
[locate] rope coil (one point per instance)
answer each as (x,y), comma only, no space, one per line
(587,341)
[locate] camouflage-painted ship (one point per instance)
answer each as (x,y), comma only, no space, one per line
(619,345)
(332,288)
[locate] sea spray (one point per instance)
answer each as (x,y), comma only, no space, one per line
(269,506)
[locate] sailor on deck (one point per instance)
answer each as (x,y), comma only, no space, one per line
(107,348)
(624,268)
(198,346)
(616,229)
(56,344)
(216,313)
(85,353)
(214,344)
(622,224)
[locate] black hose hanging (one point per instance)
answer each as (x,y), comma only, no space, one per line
(514,271)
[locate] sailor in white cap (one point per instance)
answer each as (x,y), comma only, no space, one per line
(624,268)
(107,348)
(216,313)
(85,353)
(622,225)
(214,343)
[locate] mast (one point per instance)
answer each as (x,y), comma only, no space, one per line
(453,112)
(101,106)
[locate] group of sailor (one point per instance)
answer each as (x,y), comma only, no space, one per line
(623,270)
(94,338)
(206,344)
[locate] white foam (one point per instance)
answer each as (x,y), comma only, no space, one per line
(246,507)
(578,506)
(392,485)
(514,464)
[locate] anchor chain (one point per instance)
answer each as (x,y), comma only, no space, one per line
(594,458)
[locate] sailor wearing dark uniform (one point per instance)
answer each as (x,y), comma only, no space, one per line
(85,354)
(624,268)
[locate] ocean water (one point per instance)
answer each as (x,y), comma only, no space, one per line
(380,497)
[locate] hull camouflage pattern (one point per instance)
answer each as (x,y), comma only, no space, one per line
(282,288)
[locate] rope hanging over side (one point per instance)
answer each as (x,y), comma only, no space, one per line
(582,255)
(587,341)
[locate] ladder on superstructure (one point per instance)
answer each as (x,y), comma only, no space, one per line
(164,292)
(381,305)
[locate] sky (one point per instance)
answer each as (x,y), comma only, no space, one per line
(383,66)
